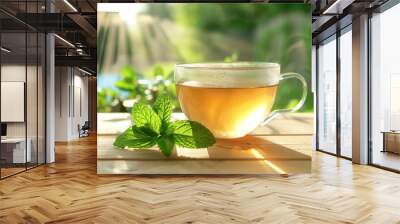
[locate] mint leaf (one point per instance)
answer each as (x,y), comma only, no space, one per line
(166,144)
(144,116)
(163,107)
(191,134)
(143,132)
(153,126)
(130,139)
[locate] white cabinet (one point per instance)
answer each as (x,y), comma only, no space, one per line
(18,149)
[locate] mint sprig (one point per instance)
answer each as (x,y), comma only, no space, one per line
(153,126)
(191,134)
(144,116)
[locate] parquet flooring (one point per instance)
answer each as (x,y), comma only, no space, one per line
(70,191)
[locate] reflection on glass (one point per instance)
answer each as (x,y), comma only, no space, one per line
(386,89)
(327,96)
(346,94)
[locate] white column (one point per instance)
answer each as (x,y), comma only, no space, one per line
(50,100)
(50,92)
(360,90)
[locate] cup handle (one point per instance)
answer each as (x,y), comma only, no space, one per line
(275,113)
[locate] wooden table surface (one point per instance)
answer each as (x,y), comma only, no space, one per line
(282,147)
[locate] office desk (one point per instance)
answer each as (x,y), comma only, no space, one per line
(391,141)
(17,150)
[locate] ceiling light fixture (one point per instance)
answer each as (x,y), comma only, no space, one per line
(64,40)
(70,5)
(84,71)
(5,50)
(337,7)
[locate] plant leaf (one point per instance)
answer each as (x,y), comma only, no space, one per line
(163,107)
(143,132)
(191,134)
(128,139)
(124,86)
(166,144)
(144,116)
(129,74)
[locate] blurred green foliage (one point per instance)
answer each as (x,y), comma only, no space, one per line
(144,87)
(166,34)
(109,100)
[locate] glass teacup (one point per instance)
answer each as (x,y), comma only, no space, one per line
(231,99)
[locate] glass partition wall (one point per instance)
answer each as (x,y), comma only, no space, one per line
(22,77)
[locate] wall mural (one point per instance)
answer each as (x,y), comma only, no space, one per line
(204,88)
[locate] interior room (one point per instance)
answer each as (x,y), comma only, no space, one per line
(334,79)
(22,97)
(51,105)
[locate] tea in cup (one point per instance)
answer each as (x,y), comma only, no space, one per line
(231,99)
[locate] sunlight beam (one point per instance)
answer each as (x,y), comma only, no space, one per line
(258,155)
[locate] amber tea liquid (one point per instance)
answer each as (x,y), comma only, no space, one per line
(229,112)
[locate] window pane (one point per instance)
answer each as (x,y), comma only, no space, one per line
(346,94)
(386,89)
(327,96)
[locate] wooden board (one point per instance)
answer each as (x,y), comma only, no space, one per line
(265,151)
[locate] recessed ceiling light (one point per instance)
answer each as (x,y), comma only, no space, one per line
(70,5)
(5,50)
(84,71)
(338,6)
(64,40)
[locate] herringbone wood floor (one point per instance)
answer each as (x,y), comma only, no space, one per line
(69,191)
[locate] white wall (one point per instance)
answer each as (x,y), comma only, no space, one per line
(71,102)
(80,110)
(14,73)
(62,82)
